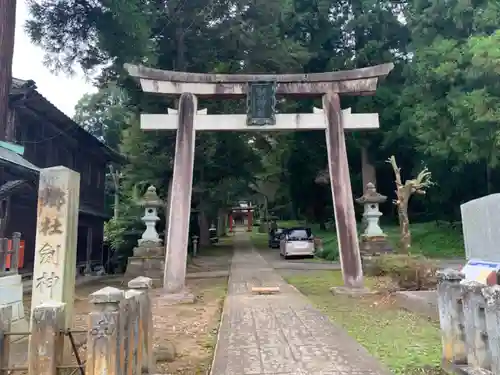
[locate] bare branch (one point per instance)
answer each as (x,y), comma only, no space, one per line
(397,170)
(403,194)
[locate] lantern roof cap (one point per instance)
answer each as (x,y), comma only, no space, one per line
(371,195)
(151,199)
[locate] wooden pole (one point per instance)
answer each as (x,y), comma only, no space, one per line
(180,199)
(338,166)
(7,32)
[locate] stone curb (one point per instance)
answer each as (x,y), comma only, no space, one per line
(207,275)
(419,302)
(454,369)
(305,266)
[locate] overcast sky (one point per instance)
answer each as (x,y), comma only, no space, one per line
(64,92)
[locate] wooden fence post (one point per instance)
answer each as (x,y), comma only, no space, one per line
(143,284)
(46,345)
(5,318)
(104,339)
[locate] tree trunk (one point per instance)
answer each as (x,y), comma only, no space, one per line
(10,129)
(4,216)
(221,223)
(404,225)
(368,171)
(116,204)
(115,177)
(264,219)
(489,184)
(225,223)
(7,32)
(204,232)
(180,63)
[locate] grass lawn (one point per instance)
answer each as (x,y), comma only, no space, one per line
(428,239)
(403,341)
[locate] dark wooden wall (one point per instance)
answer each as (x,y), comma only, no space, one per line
(46,146)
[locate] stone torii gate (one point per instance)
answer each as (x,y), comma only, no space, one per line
(261,91)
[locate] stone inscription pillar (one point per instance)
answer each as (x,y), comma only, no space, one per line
(340,182)
(56,237)
(180,199)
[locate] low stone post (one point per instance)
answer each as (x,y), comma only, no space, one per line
(104,341)
(451,316)
(5,317)
(194,240)
(476,338)
(134,352)
(46,346)
(143,284)
(492,312)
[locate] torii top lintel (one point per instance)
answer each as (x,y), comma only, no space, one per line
(361,81)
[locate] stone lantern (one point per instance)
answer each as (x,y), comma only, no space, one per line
(151,203)
(149,255)
(373,240)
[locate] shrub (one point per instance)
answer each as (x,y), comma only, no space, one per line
(327,251)
(409,272)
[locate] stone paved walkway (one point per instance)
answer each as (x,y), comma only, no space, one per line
(280,334)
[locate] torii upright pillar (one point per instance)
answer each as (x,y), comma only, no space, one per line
(340,183)
(180,202)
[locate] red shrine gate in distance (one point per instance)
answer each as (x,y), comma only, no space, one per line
(244,209)
(261,91)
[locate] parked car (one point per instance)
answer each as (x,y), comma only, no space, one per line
(275,237)
(297,241)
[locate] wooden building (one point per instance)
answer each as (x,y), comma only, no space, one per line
(40,136)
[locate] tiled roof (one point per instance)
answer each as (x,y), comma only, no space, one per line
(12,157)
(32,99)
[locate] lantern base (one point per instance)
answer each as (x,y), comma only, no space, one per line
(149,250)
(145,242)
(147,261)
(374,245)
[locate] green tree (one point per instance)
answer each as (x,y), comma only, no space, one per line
(452,93)
(105,114)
